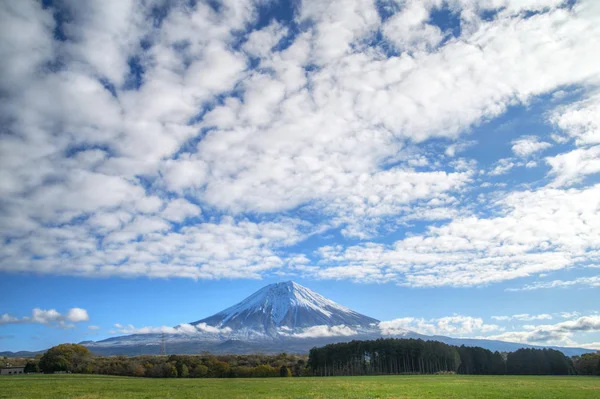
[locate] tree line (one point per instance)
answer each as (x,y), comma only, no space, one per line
(382,356)
(587,364)
(415,356)
(73,358)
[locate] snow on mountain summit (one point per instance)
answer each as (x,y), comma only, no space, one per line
(287,306)
(279,317)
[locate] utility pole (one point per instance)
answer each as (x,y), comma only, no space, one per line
(163,346)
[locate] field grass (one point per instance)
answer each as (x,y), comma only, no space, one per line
(443,386)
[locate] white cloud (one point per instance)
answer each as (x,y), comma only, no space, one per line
(584,282)
(147,247)
(105,35)
(397,326)
(409,30)
(260,42)
(186,329)
(534,232)
(503,166)
(130,329)
(338,25)
(569,315)
(8,319)
(93,328)
(456,326)
(523,317)
(559,333)
(26,29)
(77,315)
(589,345)
(210,329)
(336,127)
(580,120)
(531,164)
(571,167)
(528,145)
(325,331)
(180,209)
(48,317)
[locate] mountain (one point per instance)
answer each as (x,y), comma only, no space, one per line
(21,353)
(281,317)
(285,307)
(269,320)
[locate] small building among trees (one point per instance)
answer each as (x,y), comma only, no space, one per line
(12,370)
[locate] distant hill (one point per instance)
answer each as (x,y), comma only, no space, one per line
(22,353)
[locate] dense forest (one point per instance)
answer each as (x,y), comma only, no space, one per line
(410,356)
(382,356)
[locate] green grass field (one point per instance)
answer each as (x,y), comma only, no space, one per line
(96,387)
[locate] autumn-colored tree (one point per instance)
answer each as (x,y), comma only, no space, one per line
(139,371)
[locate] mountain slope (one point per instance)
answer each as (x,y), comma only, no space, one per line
(297,345)
(281,317)
(284,307)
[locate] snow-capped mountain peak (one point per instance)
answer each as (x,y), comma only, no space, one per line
(279,317)
(286,305)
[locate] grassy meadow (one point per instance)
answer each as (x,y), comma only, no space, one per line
(406,386)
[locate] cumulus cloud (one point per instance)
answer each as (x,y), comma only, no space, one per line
(146,247)
(536,231)
(325,331)
(503,166)
(185,329)
(205,144)
(178,210)
(528,145)
(456,326)
(260,42)
(559,333)
(571,167)
(210,329)
(77,315)
(580,120)
(48,317)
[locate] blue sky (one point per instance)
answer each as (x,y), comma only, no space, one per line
(433,164)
